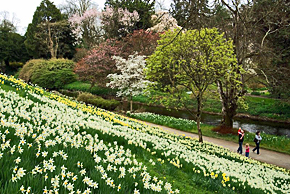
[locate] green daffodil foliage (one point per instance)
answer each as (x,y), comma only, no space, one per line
(188,62)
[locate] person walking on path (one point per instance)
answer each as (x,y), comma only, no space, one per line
(241,140)
(247,152)
(257,140)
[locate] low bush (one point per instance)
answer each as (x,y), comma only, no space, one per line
(28,69)
(98,101)
(104,103)
(51,74)
(256,86)
(53,79)
(256,93)
(85,97)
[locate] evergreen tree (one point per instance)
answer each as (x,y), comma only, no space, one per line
(47,30)
(12,48)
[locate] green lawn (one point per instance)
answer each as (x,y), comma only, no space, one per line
(257,106)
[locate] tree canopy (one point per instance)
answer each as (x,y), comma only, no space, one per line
(12,48)
(193,61)
(47,31)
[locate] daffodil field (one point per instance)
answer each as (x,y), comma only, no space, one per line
(53,144)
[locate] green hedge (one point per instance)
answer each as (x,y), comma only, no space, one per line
(53,79)
(98,101)
(50,74)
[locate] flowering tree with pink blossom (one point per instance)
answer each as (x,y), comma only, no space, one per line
(97,64)
(86,27)
(118,22)
(89,26)
(131,80)
(163,21)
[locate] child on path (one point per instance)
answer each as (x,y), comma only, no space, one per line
(247,153)
(241,139)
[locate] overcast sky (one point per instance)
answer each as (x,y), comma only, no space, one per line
(21,11)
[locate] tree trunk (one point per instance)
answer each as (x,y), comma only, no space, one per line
(229,105)
(131,104)
(198,118)
(6,61)
(228,118)
(50,42)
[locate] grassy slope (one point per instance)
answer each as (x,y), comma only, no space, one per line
(186,182)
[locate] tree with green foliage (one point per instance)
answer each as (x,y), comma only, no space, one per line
(231,93)
(12,48)
(47,31)
(145,9)
(190,63)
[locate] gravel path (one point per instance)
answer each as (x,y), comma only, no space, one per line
(271,157)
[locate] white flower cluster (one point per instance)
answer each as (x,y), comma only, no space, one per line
(131,80)
(52,124)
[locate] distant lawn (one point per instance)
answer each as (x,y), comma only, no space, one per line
(267,107)
(86,87)
(258,106)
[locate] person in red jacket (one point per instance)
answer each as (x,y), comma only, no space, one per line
(247,152)
(239,131)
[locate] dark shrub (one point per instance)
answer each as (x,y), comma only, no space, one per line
(255,93)
(104,103)
(98,101)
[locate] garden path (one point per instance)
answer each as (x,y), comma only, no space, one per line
(270,157)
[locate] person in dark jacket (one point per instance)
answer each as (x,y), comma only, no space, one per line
(257,140)
(241,140)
